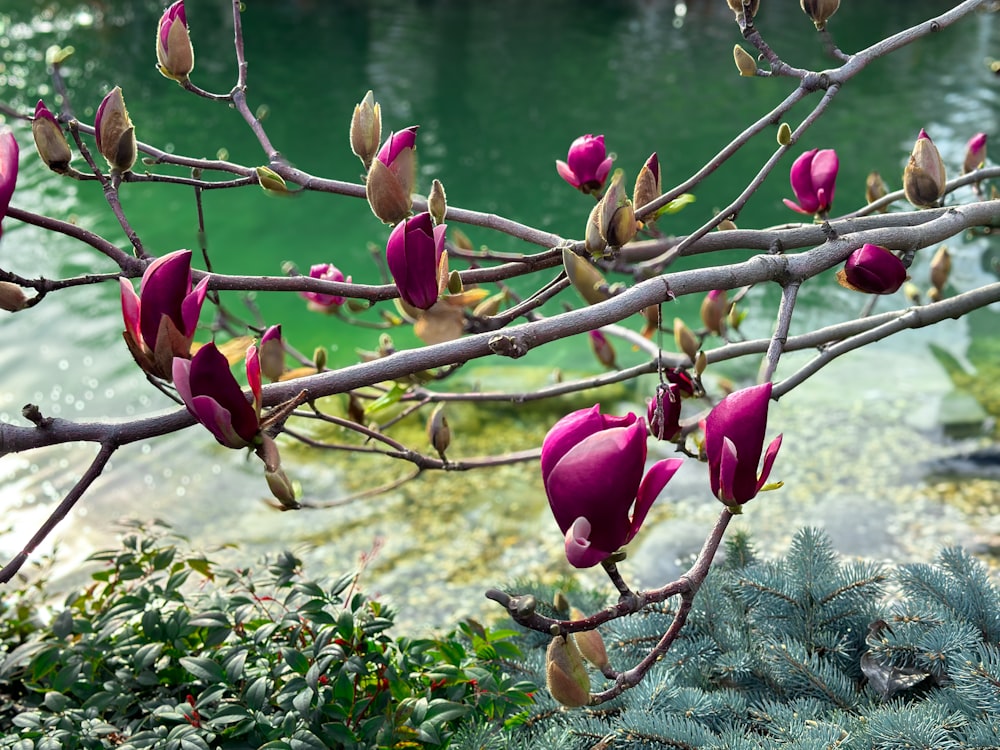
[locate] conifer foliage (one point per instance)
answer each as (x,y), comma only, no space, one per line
(806,652)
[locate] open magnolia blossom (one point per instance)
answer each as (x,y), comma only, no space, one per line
(813,177)
(592,469)
(210,392)
(161,319)
(734,440)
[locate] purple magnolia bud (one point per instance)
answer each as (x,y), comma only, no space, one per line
(603,350)
(813,177)
(161,320)
(648,185)
(210,392)
(325,302)
(924,179)
(975,153)
(714,309)
(664,412)
(734,439)
(114,131)
(174,53)
(414,252)
(9,153)
(873,269)
(272,353)
(587,164)
(49,139)
(389,185)
(592,468)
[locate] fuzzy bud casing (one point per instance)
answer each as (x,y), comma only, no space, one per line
(819,11)
(366,129)
(940,268)
(114,132)
(744,62)
(924,178)
(49,139)
(12,297)
(617,218)
(565,674)
(174,53)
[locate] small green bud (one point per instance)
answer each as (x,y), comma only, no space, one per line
(744,62)
(319,358)
(586,279)
(271,181)
(686,340)
(438,431)
(437,202)
(455,283)
(784,134)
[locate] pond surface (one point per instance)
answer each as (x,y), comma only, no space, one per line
(499,91)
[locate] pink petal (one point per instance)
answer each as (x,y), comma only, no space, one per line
(769,456)
(579,551)
(130,310)
(567,174)
(727,472)
(650,488)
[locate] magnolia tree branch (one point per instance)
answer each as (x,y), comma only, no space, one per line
(789,255)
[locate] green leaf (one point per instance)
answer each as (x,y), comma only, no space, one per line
(234,664)
(146,655)
(66,677)
(295,659)
(256,694)
(392,396)
(203,668)
(676,205)
(306,740)
(62,626)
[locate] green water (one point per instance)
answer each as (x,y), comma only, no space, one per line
(499,91)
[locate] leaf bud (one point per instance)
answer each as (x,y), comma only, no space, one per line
(437,202)
(701,362)
(271,181)
(819,11)
(455,285)
(590,643)
(12,297)
(319,358)
(745,10)
(714,308)
(594,241)
(281,488)
(686,339)
(586,279)
(438,431)
(49,139)
(565,674)
(876,189)
(366,129)
(784,134)
(940,268)
(744,62)
(726,224)
(617,217)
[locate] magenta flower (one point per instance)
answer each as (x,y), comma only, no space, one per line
(9,153)
(734,439)
(587,164)
(397,144)
(813,177)
(210,392)
(592,469)
(664,412)
(161,320)
(874,269)
(414,254)
(318,300)
(174,53)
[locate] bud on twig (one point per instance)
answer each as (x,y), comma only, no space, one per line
(744,62)
(438,431)
(437,202)
(940,268)
(586,279)
(366,129)
(114,132)
(617,217)
(876,189)
(687,342)
(590,643)
(784,134)
(49,139)
(603,350)
(924,178)
(565,675)
(12,297)
(648,185)
(819,11)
